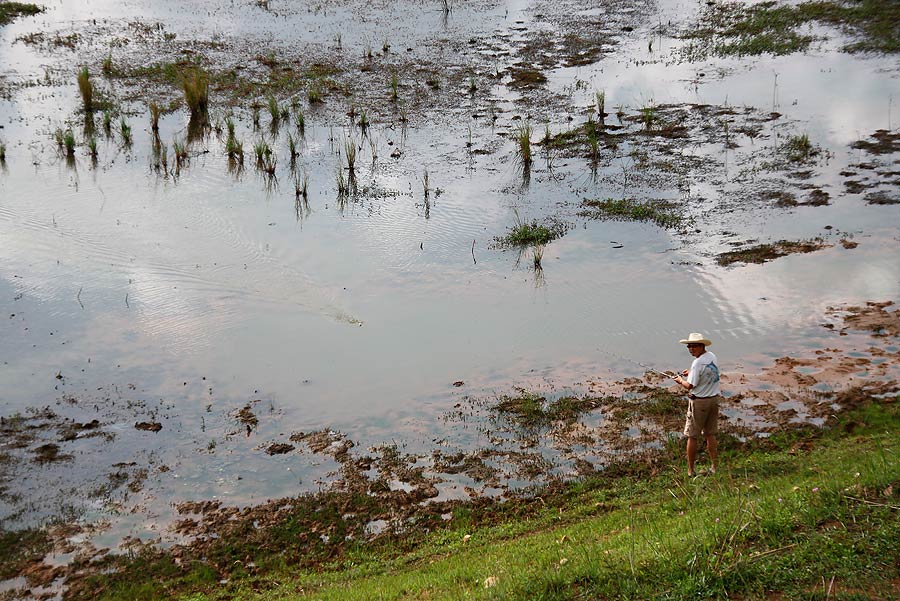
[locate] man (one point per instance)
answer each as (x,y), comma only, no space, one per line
(702,384)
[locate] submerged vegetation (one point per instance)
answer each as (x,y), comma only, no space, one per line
(770,27)
(11,10)
(659,212)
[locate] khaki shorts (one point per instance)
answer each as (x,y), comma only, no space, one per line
(702,417)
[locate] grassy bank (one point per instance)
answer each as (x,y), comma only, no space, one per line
(807,514)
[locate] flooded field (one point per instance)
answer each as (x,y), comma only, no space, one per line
(234,307)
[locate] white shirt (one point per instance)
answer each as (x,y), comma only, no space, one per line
(704,376)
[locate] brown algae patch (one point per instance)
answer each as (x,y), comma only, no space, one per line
(762,253)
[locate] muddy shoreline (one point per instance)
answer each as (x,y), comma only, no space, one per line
(385,492)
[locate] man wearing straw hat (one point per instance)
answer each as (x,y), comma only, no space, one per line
(702,383)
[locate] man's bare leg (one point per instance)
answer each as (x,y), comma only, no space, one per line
(712,447)
(691,454)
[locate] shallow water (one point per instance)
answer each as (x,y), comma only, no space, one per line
(198,294)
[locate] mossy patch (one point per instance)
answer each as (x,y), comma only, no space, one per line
(735,29)
(11,10)
(659,212)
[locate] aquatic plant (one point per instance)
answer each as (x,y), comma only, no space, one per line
(425,183)
(92,146)
(125,131)
(107,66)
(261,150)
(343,188)
(195,83)
(631,210)
(181,153)
(234,148)
(254,115)
(86,89)
(648,116)
(314,95)
(601,104)
(537,255)
(69,143)
(395,84)
(350,154)
(301,186)
(2,152)
(523,144)
(155,111)
(472,87)
(107,123)
(274,112)
(292,150)
(301,122)
(363,120)
(59,137)
(798,148)
(229,126)
(534,233)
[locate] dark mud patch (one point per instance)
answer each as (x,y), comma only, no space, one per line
(881,142)
(762,253)
(325,442)
(148,426)
(524,77)
(882,198)
(874,317)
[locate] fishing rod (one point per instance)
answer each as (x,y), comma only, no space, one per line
(670,376)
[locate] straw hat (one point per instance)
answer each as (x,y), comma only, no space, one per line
(696,338)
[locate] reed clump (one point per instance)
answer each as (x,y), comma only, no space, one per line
(155,112)
(125,131)
(195,84)
(69,143)
(86,89)
(523,144)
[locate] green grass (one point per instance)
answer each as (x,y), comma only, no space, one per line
(799,148)
(11,10)
(632,210)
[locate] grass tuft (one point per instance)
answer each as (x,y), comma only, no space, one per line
(86,89)
(523,144)
(125,131)
(525,234)
(195,84)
